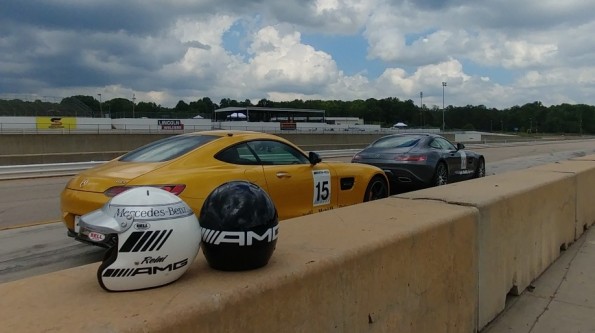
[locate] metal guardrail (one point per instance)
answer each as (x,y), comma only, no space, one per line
(44,170)
(8,172)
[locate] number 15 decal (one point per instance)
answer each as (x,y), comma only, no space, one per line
(322,187)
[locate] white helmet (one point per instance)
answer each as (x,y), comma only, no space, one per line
(152,235)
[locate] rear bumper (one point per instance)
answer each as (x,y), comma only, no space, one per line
(402,176)
(76,203)
(411,175)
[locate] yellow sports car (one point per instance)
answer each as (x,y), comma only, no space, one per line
(193,165)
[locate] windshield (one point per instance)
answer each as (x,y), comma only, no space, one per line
(167,149)
(396,142)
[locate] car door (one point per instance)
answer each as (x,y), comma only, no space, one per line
(455,159)
(295,186)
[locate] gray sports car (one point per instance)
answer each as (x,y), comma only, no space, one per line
(414,161)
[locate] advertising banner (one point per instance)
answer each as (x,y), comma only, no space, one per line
(55,122)
(288,126)
(170,124)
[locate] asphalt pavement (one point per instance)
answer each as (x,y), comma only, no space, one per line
(561,300)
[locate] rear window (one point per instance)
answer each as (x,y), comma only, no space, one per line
(167,149)
(396,142)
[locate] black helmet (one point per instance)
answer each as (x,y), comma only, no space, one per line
(239,227)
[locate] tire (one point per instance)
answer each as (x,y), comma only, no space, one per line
(481,169)
(377,189)
(440,175)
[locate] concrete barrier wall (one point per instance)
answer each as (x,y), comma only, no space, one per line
(409,269)
(437,260)
(19,149)
(526,219)
(584,178)
(31,148)
(19,144)
(23,144)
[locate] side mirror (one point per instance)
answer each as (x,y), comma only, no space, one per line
(314,158)
(460,146)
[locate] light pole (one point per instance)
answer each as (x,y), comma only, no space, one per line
(133,99)
(443,86)
(530,125)
(421,108)
(100,109)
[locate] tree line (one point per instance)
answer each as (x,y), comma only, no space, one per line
(529,118)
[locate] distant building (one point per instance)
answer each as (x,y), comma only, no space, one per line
(264,114)
(344,121)
(285,119)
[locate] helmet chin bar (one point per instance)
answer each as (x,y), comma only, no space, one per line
(109,258)
(152,235)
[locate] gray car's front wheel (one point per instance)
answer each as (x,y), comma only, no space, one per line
(377,189)
(481,169)
(440,175)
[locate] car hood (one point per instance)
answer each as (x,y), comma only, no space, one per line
(114,173)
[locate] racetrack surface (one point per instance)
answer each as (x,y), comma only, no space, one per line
(33,240)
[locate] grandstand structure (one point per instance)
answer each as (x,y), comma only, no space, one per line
(265,114)
(281,115)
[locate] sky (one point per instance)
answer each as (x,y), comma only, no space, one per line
(496,53)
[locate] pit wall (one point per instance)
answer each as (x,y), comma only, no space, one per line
(526,218)
(38,140)
(21,149)
(436,260)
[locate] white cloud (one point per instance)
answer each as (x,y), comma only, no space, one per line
(426,79)
(502,52)
(280,60)
(497,53)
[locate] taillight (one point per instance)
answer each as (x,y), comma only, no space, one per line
(113,191)
(411,158)
(174,189)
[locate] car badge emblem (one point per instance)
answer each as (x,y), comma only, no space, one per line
(84,182)
(377,156)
